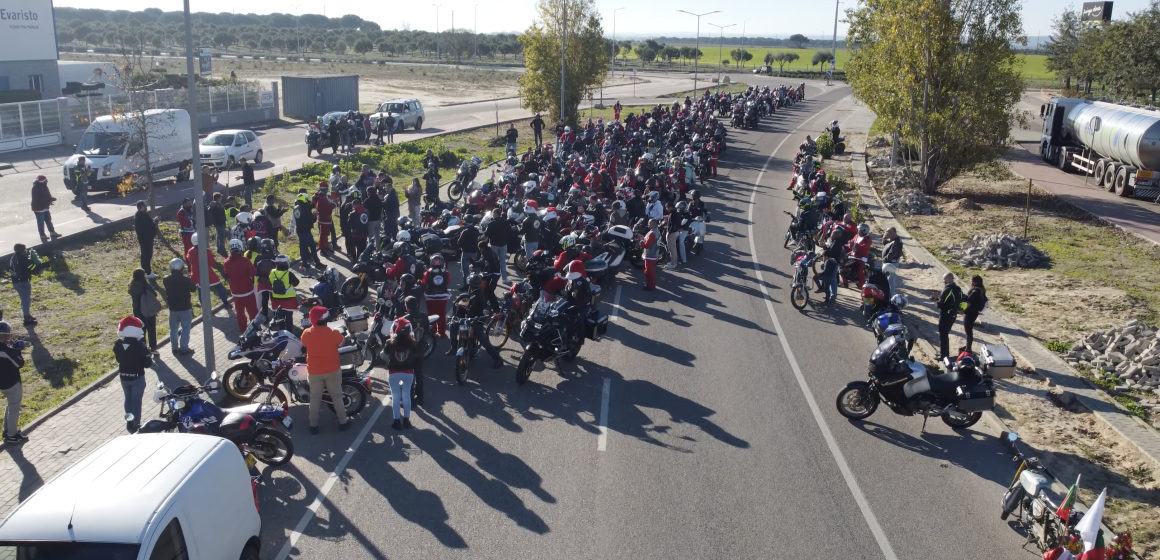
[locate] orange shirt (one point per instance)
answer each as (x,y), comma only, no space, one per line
(322,344)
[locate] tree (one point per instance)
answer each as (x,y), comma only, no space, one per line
(670,53)
(740,55)
(944,72)
(768,58)
(821,57)
(625,50)
(799,41)
(340,47)
(783,58)
(1063,46)
(645,53)
(584,64)
(363,46)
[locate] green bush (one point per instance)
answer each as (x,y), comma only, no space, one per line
(825,146)
(1059,346)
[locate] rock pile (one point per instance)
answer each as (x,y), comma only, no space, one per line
(996,251)
(909,202)
(898,179)
(879,142)
(1129,356)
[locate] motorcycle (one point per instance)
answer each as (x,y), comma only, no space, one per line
(315,141)
(513,308)
(251,428)
(380,332)
(799,291)
(881,323)
(464,178)
(290,384)
(369,272)
(257,353)
(550,333)
(1030,498)
(466,347)
(796,236)
(959,396)
(873,302)
(695,241)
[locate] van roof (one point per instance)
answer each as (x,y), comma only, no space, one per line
(105,120)
(111,494)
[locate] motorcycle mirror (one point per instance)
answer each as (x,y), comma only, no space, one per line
(160,385)
(1012,437)
(159,395)
(214,384)
(129,417)
(213,375)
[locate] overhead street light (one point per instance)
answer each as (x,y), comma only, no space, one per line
(743,42)
(720,48)
(697,53)
(615,46)
(195,175)
(438,49)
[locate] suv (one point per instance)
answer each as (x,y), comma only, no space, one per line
(143,497)
(407,112)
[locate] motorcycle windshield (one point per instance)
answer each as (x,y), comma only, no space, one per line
(540,314)
(884,349)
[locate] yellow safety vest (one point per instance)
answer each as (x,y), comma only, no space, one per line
(285,276)
(231,217)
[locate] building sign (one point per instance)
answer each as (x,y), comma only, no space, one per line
(1096,11)
(27,30)
(267,98)
(205,57)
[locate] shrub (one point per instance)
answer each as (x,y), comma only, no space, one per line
(825,146)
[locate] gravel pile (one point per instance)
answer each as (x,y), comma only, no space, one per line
(879,142)
(909,202)
(880,160)
(996,251)
(898,179)
(1129,356)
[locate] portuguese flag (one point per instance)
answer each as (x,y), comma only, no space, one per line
(1068,501)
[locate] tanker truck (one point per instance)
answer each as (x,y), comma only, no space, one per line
(1117,145)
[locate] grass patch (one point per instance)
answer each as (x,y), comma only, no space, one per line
(736,87)
(1059,346)
(1132,406)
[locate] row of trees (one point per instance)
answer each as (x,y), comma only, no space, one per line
(152,28)
(797,41)
(1123,56)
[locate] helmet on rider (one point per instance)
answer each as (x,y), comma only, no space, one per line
(176,265)
(653,196)
(437,262)
(193,240)
(335,168)
(282,259)
(254,244)
(244,218)
(446,214)
(403,237)
(567,242)
(475,280)
(898,301)
(863,230)
(404,223)
(682,206)
(407,281)
(236,246)
(402,247)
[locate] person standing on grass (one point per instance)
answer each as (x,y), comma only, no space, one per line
(325,208)
(240,273)
(651,247)
(390,208)
(511,136)
(141,292)
(976,303)
(216,214)
(215,283)
(178,290)
(273,213)
(132,359)
(303,218)
(616,110)
(209,177)
(41,199)
(403,359)
(21,268)
(186,224)
(948,310)
(537,125)
(146,229)
(415,200)
(323,366)
(11,360)
(248,183)
(374,209)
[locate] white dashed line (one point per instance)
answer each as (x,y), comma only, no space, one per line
(602,439)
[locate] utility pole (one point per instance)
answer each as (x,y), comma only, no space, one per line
(743,43)
(697,53)
(475,19)
(195,174)
(454,41)
(297,37)
(720,49)
(615,45)
(834,46)
(563,53)
(438,50)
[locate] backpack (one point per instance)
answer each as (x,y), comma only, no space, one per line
(279,285)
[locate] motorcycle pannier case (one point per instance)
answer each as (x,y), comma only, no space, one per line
(349,355)
(356,319)
(596,325)
(997,361)
(978,398)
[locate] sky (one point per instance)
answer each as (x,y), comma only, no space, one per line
(638,19)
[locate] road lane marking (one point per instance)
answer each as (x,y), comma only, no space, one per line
(839,458)
(602,439)
(616,303)
(384,404)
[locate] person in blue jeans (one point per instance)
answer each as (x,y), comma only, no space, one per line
(178,294)
(132,359)
(827,280)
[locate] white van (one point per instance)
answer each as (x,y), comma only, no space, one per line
(142,497)
(113,146)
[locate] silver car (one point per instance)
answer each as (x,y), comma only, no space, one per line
(407,113)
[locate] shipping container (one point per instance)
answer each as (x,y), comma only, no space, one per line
(307,97)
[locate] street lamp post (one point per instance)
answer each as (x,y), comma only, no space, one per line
(697,53)
(615,46)
(563,53)
(743,43)
(297,37)
(834,46)
(720,48)
(475,20)
(438,50)
(195,173)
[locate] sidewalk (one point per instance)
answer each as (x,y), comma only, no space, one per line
(1028,353)
(80,428)
(24,161)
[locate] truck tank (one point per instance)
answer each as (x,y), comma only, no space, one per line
(1126,134)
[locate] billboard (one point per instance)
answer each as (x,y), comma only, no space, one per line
(205,60)
(27,30)
(1096,11)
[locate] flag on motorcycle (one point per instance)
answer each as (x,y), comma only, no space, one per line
(1058,553)
(1089,529)
(1068,501)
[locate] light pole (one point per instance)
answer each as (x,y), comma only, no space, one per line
(743,43)
(475,19)
(563,52)
(297,38)
(195,174)
(720,48)
(834,46)
(615,46)
(697,53)
(438,52)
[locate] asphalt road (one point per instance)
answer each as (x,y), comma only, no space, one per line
(703,426)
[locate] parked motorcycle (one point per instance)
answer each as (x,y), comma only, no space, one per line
(315,141)
(369,272)
(257,354)
(959,396)
(799,290)
(463,178)
(466,346)
(551,333)
(251,427)
(796,236)
(290,384)
(695,241)
(1030,498)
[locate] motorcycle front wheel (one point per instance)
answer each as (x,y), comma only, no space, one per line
(272,446)
(454,191)
(521,261)
(428,344)
(461,366)
(267,394)
(799,296)
(960,420)
(241,380)
(524,369)
(353,290)
(497,331)
(354,398)
(855,401)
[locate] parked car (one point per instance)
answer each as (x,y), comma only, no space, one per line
(112,148)
(407,112)
(142,497)
(226,147)
(767,70)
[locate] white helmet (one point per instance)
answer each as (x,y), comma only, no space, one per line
(176,265)
(193,240)
(403,236)
(244,218)
(236,246)
(282,259)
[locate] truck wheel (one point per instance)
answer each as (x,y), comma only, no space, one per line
(1099,172)
(1110,176)
(1062,161)
(1122,187)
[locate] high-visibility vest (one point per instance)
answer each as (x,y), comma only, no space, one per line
(283,275)
(231,217)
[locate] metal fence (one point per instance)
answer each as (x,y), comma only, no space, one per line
(29,125)
(241,96)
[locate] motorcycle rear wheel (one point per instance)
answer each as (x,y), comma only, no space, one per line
(354,398)
(521,261)
(454,191)
(272,446)
(497,331)
(354,291)
(961,420)
(461,366)
(428,344)
(524,369)
(799,296)
(240,381)
(855,402)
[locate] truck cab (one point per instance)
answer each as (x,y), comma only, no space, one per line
(142,497)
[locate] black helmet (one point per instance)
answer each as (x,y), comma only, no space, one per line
(475,280)
(267,245)
(254,243)
(407,281)
(402,247)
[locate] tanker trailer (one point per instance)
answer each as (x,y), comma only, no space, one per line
(1117,145)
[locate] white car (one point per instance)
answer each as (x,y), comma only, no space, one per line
(225,148)
(142,497)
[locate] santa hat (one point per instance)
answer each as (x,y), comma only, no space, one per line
(130,327)
(319,315)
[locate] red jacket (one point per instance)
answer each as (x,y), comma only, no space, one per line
(185,220)
(555,285)
(240,273)
(647,243)
(562,261)
(325,210)
(860,246)
(195,272)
